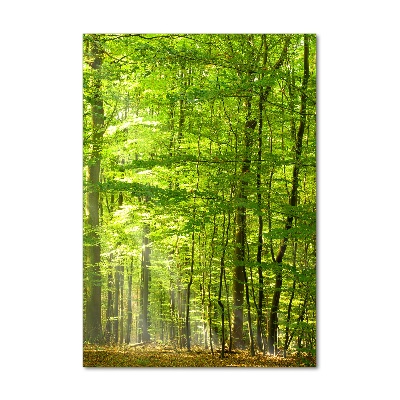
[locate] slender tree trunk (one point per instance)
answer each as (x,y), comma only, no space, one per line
(240,239)
(172,333)
(145,283)
(109,313)
(273,326)
(260,227)
(225,240)
(210,315)
(121,324)
(209,282)
(182,310)
(93,331)
(129,310)
(162,316)
(300,319)
(246,284)
(260,330)
(229,314)
(192,251)
(188,295)
(204,308)
(221,304)
(286,345)
(116,304)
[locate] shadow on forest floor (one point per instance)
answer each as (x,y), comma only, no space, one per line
(166,356)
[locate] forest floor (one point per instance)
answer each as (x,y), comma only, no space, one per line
(152,355)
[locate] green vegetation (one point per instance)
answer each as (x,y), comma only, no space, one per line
(200,198)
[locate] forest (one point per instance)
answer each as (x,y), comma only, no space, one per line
(199,200)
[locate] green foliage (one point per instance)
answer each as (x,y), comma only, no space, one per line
(172,158)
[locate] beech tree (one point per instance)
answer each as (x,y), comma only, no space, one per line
(93,58)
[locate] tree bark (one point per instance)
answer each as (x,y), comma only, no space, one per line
(273,325)
(260,330)
(129,310)
(93,331)
(188,295)
(192,253)
(252,350)
(121,318)
(116,304)
(145,284)
(287,337)
(240,239)
(109,312)
(225,240)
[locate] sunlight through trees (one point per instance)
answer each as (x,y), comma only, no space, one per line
(200,191)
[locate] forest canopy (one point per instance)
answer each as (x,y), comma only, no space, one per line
(199,198)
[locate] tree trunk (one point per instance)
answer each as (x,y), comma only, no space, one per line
(204,309)
(145,284)
(192,251)
(273,325)
(121,319)
(225,240)
(210,315)
(109,312)
(129,311)
(188,295)
(240,239)
(300,319)
(116,304)
(252,351)
(172,334)
(262,98)
(286,345)
(93,329)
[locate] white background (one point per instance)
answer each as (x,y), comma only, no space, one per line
(40,199)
